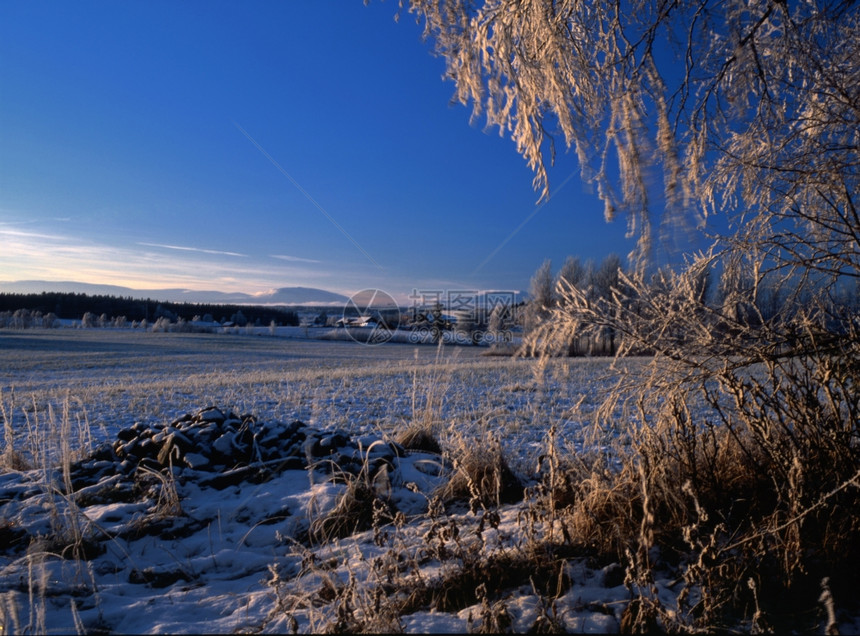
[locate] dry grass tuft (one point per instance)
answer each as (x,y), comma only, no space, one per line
(11,458)
(358,508)
(418,438)
(364,502)
(481,475)
(161,486)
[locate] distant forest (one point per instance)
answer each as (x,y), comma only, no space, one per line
(74,306)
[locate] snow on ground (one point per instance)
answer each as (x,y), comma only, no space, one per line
(236,557)
(108,379)
(236,550)
(182,522)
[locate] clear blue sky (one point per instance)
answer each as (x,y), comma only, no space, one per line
(179,144)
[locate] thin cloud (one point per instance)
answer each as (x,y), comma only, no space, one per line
(41,255)
(294,259)
(199,250)
(32,235)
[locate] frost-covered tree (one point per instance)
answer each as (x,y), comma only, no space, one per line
(161,325)
(541,296)
(604,282)
(744,107)
(541,286)
(679,110)
(496,323)
(22,319)
(573,271)
(605,278)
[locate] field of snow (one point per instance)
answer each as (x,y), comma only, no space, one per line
(231,563)
(218,496)
(110,379)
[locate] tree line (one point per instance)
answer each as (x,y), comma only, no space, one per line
(749,302)
(597,280)
(35,309)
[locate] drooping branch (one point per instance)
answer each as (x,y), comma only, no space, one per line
(728,100)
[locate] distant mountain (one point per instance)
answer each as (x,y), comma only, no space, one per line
(300,296)
(39,286)
(282,296)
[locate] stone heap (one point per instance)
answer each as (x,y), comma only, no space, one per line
(221,449)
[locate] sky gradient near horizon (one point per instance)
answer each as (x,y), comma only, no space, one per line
(236,147)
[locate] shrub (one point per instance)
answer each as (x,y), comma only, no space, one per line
(744,442)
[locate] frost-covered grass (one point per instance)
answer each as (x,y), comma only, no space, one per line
(64,391)
(526,504)
(114,378)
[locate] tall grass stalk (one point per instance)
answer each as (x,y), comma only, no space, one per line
(37,579)
(11,459)
(429,394)
(10,620)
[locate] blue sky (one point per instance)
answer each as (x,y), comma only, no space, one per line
(248,146)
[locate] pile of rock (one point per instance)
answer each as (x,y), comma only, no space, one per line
(224,449)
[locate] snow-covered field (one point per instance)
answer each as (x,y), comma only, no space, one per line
(207,508)
(109,379)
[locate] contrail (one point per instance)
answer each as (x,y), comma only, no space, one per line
(307,195)
(520,226)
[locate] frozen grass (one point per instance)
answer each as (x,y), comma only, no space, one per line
(603,537)
(62,392)
(114,378)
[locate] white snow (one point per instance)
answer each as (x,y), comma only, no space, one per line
(233,561)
